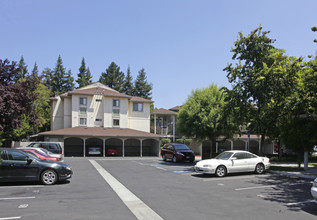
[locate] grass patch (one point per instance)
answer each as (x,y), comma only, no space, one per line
(286,169)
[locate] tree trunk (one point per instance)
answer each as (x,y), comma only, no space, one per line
(305,160)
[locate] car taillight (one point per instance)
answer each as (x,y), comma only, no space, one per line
(59,151)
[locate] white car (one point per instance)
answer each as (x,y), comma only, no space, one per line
(314,190)
(233,162)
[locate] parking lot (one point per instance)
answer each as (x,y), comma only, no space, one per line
(148,188)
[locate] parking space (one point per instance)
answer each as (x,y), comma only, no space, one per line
(169,190)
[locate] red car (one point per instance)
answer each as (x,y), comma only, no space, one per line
(112,152)
(41,154)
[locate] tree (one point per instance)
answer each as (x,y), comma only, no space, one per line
(261,80)
(47,76)
(113,77)
(61,81)
(314,29)
(22,70)
(201,116)
(35,71)
(16,100)
(141,87)
(84,75)
(128,87)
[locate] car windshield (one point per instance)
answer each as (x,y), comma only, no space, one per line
(180,147)
(224,156)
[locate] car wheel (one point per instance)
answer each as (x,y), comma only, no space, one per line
(174,159)
(259,169)
(164,157)
(49,177)
(221,171)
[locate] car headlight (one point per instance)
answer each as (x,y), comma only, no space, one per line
(68,168)
(206,165)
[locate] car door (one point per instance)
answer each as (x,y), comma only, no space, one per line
(239,163)
(18,168)
(169,151)
(252,161)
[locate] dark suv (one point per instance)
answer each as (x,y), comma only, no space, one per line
(177,152)
(52,147)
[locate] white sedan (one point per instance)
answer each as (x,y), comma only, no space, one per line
(314,190)
(233,162)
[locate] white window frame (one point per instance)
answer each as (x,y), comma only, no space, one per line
(138,104)
(84,120)
(81,101)
(113,124)
(82,112)
(114,101)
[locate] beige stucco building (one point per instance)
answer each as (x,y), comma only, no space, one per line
(98,116)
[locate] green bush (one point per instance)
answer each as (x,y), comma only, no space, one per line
(165,141)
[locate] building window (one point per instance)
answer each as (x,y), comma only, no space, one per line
(98,100)
(82,100)
(138,107)
(116,103)
(116,112)
(98,119)
(116,122)
(83,111)
(83,121)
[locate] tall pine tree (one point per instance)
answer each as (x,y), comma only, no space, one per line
(142,87)
(61,81)
(22,71)
(84,75)
(35,71)
(128,87)
(113,77)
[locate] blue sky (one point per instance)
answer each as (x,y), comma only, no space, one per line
(181,44)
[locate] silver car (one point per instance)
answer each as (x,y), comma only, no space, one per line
(314,190)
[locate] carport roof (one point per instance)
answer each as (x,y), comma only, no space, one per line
(99,131)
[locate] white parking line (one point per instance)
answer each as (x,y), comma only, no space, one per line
(161,168)
(298,203)
(24,186)
(136,206)
(256,187)
(17,198)
(9,218)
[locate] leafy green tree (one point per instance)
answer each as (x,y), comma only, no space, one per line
(141,87)
(113,77)
(62,81)
(84,75)
(261,78)
(128,87)
(201,116)
(35,71)
(22,70)
(314,29)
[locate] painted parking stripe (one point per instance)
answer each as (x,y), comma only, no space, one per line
(269,186)
(24,186)
(298,203)
(136,206)
(9,218)
(17,198)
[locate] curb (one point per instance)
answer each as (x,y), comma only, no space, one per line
(293,175)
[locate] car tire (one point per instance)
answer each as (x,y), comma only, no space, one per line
(174,159)
(221,171)
(259,168)
(164,157)
(49,177)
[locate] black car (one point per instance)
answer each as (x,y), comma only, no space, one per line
(55,148)
(17,165)
(177,152)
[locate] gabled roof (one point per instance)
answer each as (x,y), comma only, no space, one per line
(163,111)
(99,131)
(100,89)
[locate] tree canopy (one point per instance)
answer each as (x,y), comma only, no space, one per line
(141,86)
(113,77)
(84,76)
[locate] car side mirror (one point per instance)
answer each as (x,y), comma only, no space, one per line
(29,161)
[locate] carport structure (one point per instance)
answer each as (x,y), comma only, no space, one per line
(128,142)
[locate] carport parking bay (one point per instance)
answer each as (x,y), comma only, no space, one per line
(172,191)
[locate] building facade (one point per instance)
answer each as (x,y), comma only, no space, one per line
(98,116)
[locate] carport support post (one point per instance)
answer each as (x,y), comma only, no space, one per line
(104,147)
(217,146)
(141,140)
(123,140)
(84,147)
